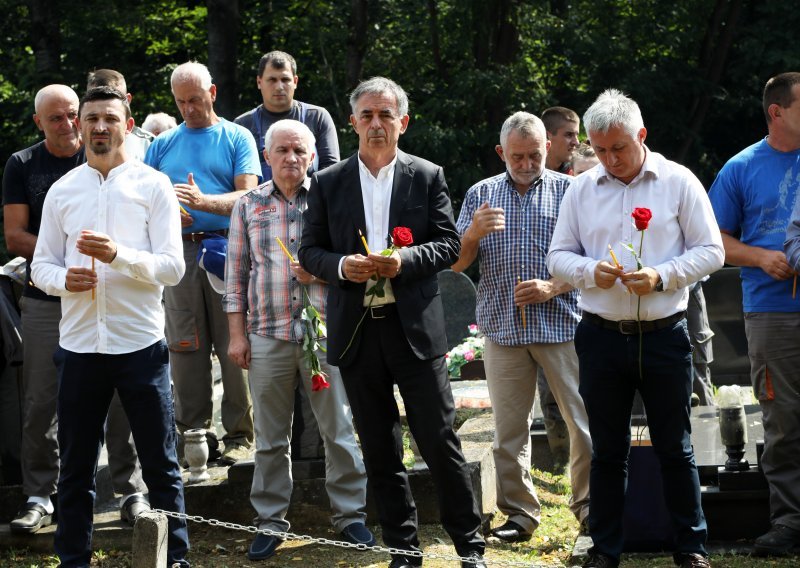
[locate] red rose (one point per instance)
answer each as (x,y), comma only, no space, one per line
(641,217)
(401,237)
(318,382)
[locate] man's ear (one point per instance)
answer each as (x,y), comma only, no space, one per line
(353,121)
(38,122)
(499,150)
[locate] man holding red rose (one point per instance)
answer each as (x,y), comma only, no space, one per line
(633,334)
(508,220)
(396,336)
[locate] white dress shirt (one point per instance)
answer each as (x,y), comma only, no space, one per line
(682,243)
(137,208)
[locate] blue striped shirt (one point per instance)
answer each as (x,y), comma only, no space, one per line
(519,252)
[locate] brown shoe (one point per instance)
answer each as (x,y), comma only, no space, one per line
(234,453)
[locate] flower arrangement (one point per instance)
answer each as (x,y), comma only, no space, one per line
(470,349)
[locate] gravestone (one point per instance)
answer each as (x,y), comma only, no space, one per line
(458,298)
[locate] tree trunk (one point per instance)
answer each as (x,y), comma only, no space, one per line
(46,39)
(356,42)
(223,38)
(433,13)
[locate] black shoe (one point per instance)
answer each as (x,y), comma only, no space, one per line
(263,547)
(132,508)
(357,533)
(476,560)
(30,519)
(598,560)
(511,532)
(691,560)
(779,541)
(405,562)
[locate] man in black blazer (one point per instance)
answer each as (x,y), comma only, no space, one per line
(402,337)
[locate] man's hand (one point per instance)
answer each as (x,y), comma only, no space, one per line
(533,292)
(189,193)
(97,245)
(387,266)
(302,276)
(186,219)
(239,351)
(641,282)
(774,263)
(358,268)
(605,274)
(80,279)
(487,220)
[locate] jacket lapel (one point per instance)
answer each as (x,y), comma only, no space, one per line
(401,188)
(354,200)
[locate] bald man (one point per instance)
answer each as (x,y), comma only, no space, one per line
(27,178)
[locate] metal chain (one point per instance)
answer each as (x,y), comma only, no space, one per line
(343,544)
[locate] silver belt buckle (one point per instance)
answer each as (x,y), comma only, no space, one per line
(375,311)
(628,327)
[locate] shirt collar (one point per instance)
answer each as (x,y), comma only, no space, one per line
(650,170)
(383,171)
(273,191)
(537,183)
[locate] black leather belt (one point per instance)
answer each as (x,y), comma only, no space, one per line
(380,312)
(197,237)
(631,327)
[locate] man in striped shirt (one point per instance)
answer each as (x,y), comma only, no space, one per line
(266,293)
(528,317)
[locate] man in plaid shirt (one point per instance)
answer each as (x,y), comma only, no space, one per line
(528,317)
(265,297)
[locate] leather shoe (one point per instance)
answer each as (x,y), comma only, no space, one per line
(511,532)
(357,533)
(30,519)
(263,547)
(691,560)
(598,560)
(476,560)
(778,541)
(132,508)
(403,562)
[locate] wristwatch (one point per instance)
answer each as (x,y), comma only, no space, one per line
(659,285)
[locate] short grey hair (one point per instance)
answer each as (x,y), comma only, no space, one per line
(62,91)
(289,125)
(613,108)
(379,86)
(525,123)
(191,71)
(158,122)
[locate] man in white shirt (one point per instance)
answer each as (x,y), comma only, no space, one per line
(109,243)
(633,334)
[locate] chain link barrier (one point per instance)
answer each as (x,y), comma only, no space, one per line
(349,545)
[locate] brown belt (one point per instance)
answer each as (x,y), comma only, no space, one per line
(197,237)
(631,327)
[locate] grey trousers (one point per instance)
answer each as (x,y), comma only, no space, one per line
(773,343)
(40,460)
(700,335)
(276,367)
(195,322)
(511,379)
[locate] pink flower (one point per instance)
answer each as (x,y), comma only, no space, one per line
(469,355)
(473,328)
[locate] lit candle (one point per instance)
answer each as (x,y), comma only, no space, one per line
(285,250)
(363,240)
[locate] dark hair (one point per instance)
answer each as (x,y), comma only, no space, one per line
(105,94)
(778,91)
(554,117)
(106,78)
(277,60)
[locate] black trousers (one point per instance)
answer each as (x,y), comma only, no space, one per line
(385,358)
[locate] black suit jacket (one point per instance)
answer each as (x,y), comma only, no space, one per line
(421,202)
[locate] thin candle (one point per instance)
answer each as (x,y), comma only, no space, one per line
(522,309)
(363,240)
(613,256)
(285,250)
(794,287)
(93,292)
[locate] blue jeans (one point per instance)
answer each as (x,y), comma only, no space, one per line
(609,378)
(86,383)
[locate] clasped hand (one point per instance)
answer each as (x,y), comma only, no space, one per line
(640,282)
(95,245)
(360,268)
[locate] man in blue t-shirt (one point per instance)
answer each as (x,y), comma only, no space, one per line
(753,198)
(211,162)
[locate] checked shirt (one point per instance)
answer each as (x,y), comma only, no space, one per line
(258,279)
(519,252)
